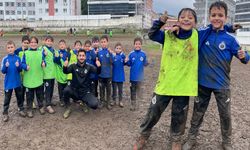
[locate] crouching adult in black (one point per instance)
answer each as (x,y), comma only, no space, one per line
(79,89)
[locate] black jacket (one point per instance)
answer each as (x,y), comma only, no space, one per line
(80,75)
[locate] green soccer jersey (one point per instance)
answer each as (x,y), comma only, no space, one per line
(179,66)
(34,76)
(59,75)
(49,70)
(73,59)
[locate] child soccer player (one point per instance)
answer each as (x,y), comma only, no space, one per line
(137,59)
(91,59)
(33,64)
(60,57)
(19,52)
(80,86)
(215,56)
(49,72)
(177,78)
(11,67)
(105,76)
(95,48)
(118,73)
(73,56)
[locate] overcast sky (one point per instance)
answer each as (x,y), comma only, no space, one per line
(172,6)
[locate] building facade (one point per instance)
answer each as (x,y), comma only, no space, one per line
(37,9)
(123,8)
(202,10)
(242,16)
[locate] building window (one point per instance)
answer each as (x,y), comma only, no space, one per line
(7,4)
(1,4)
(65,10)
(40,1)
(29,12)
(46,10)
(65,1)
(1,12)
(56,10)
(13,12)
(24,4)
(34,4)
(7,12)
(12,4)
(24,12)
(56,1)
(18,4)
(19,12)
(46,1)
(30,4)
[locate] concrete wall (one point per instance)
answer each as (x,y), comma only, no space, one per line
(131,22)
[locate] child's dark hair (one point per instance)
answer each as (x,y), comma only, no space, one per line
(87,42)
(104,37)
(95,39)
(25,38)
(62,41)
(33,37)
(219,5)
(118,44)
(189,10)
(49,38)
(81,50)
(138,39)
(10,43)
(78,42)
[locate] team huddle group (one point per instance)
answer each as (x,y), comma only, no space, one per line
(33,70)
(194,63)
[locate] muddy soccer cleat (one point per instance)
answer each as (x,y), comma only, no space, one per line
(121,104)
(67,113)
(62,104)
(30,114)
(22,113)
(50,110)
(189,144)
(42,111)
(140,143)
(112,103)
(176,146)
(227,146)
(5,117)
(84,107)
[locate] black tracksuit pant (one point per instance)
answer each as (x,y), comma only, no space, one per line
(30,93)
(77,94)
(48,90)
(117,86)
(7,98)
(105,87)
(178,115)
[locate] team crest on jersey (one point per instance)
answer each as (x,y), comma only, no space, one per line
(222,45)
(154,100)
(141,58)
(85,71)
(107,55)
(207,43)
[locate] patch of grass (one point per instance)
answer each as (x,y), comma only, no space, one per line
(152,46)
